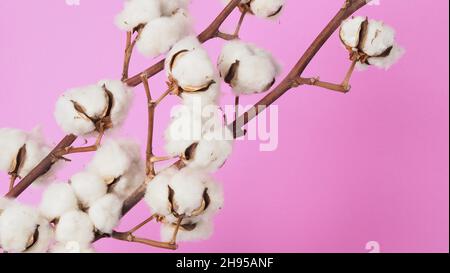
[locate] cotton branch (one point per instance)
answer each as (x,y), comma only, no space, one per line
(209,33)
(289,82)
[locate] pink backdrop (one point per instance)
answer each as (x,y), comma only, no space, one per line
(371,165)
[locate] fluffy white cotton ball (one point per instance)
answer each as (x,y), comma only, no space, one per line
(181,64)
(188,43)
(350,30)
(5,203)
(122,97)
(130,180)
(215,200)
(188,188)
(184,129)
(58,199)
(157,192)
(246,68)
(105,213)
(387,61)
(71,247)
(113,159)
(211,152)
(169,7)
(137,12)
(380,38)
(44,240)
(11,140)
(75,226)
(160,34)
(88,187)
(77,108)
(18,224)
(267,8)
(201,230)
(36,151)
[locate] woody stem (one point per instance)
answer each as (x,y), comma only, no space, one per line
(139,226)
(151,118)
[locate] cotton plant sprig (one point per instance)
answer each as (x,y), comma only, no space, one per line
(183,197)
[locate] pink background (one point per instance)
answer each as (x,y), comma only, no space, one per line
(371,165)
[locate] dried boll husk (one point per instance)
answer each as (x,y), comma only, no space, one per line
(370,42)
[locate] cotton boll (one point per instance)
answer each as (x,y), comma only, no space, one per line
(44,240)
(202,231)
(35,153)
(350,31)
(188,43)
(379,38)
(137,12)
(210,153)
(88,187)
(11,140)
(386,62)
(122,97)
(75,226)
(160,34)
(92,100)
(157,192)
(105,213)
(169,7)
(246,68)
(266,8)
(187,77)
(184,129)
(71,247)
(18,224)
(188,189)
(130,181)
(111,160)
(215,200)
(58,199)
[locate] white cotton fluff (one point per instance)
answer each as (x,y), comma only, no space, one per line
(256,70)
(202,231)
(75,226)
(130,180)
(380,38)
(94,101)
(36,151)
(105,213)
(386,62)
(350,30)
(122,99)
(184,129)
(191,69)
(113,159)
(267,8)
(160,34)
(58,199)
(157,192)
(188,186)
(137,12)
(212,151)
(71,247)
(45,238)
(18,224)
(88,187)
(169,7)
(11,140)
(216,200)
(6,203)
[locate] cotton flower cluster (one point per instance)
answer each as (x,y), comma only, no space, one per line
(370,42)
(160,23)
(188,198)
(247,68)
(20,152)
(269,9)
(94,108)
(93,199)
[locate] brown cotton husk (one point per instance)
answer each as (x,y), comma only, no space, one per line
(33,238)
(232,72)
(276,12)
(190,151)
(18,161)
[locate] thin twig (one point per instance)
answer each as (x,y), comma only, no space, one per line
(151,119)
